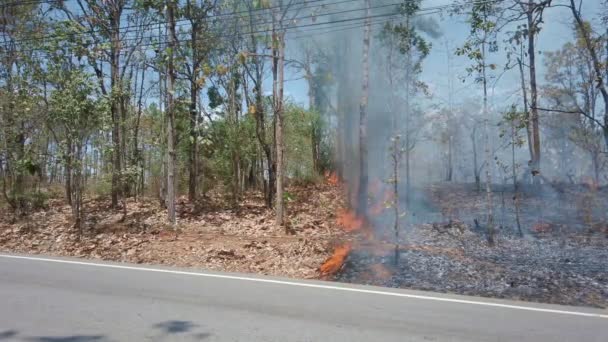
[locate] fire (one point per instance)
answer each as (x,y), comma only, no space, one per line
(386,201)
(542,227)
(332,178)
(348,220)
(334,263)
(380,271)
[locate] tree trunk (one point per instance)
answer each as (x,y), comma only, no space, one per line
(396,159)
(234,127)
(115,106)
(194,89)
(533,93)
(171,157)
(476,170)
(597,66)
(450,171)
(314,134)
(526,109)
(408,113)
(68,171)
(488,154)
(514,176)
(77,190)
(138,155)
(277,70)
(363,172)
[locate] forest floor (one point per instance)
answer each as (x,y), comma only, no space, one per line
(212,235)
(562,257)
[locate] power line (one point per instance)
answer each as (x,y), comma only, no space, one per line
(436,9)
(24,3)
(234,14)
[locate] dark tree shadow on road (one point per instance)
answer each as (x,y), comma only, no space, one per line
(175,327)
(180,327)
(5,335)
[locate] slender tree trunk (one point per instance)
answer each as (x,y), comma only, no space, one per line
(514,175)
(162,89)
(278,69)
(115,107)
(171,157)
(194,89)
(138,155)
(476,170)
(533,93)
(68,171)
(488,154)
(526,109)
(77,190)
(314,136)
(396,160)
(408,116)
(234,127)
(363,172)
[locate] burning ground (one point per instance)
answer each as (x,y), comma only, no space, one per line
(562,257)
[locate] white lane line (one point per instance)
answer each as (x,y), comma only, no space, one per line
(318,286)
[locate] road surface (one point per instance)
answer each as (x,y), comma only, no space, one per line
(71,300)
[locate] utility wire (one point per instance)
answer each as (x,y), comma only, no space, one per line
(236,17)
(185,22)
(435,9)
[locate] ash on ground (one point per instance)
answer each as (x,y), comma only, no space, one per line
(554,262)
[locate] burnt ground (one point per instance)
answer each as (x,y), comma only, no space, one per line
(562,257)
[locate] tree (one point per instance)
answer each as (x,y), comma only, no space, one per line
(534,18)
(572,97)
(515,121)
(97,25)
(592,48)
(407,50)
(74,112)
(198,50)
(278,67)
(18,100)
(171,111)
(481,41)
(363,167)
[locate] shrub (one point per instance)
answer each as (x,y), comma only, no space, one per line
(27,202)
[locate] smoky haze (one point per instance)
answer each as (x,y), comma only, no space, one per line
(435,109)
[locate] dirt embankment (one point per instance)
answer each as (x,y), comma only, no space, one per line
(209,235)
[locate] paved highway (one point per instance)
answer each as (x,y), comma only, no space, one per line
(71,300)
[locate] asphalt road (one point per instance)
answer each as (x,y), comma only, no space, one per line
(71,300)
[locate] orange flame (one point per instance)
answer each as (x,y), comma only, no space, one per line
(348,220)
(334,263)
(542,227)
(332,178)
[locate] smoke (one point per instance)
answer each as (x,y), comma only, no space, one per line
(439,124)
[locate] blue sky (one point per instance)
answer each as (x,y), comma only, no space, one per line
(555,33)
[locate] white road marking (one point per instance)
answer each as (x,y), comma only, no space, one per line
(318,286)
